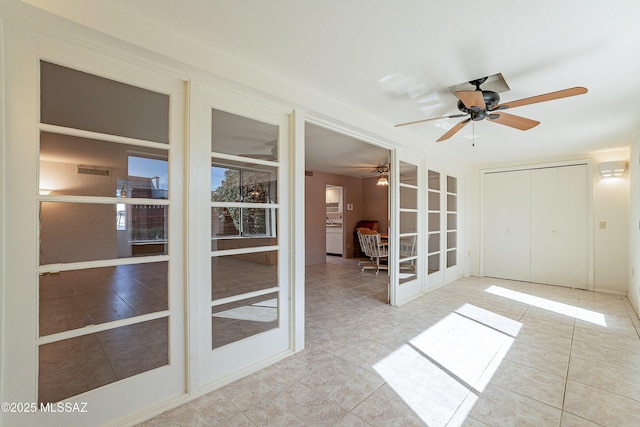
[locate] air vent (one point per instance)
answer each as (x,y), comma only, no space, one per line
(93,170)
(308,173)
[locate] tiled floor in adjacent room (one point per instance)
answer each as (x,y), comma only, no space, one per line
(477,352)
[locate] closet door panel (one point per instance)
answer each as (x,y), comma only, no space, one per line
(544,229)
(572,225)
(507,214)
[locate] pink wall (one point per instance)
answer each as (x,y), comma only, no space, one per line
(369,202)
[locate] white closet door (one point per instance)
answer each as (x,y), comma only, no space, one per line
(507,213)
(544,227)
(559,226)
(572,227)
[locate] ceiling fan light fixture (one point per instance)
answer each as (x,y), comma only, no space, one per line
(382,180)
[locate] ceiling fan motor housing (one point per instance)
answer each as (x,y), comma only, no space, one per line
(491,99)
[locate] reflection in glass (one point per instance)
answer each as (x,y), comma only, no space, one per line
(452,221)
(452,202)
(74,232)
(408,222)
(434,242)
(233,275)
(407,271)
(434,221)
(249,223)
(241,136)
(79,100)
(434,263)
(451,258)
(78,298)
(87,167)
(434,201)
(452,185)
(242,319)
(452,239)
(255,184)
(408,246)
(408,174)
(76,365)
(433,180)
(408,198)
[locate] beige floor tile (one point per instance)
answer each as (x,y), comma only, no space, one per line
(209,410)
(386,408)
(570,420)
(446,359)
(539,358)
(600,406)
(534,383)
(296,405)
(499,407)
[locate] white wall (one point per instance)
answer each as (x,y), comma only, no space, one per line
(634,226)
(610,245)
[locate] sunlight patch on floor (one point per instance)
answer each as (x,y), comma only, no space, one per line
(547,304)
(452,363)
(265,311)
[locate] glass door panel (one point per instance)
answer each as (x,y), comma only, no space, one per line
(452,221)
(104,202)
(246,320)
(408,224)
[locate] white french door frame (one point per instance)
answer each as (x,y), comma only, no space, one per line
(24,46)
(407,291)
(211,369)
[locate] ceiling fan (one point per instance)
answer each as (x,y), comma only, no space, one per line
(481,104)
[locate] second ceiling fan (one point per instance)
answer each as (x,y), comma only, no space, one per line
(481,104)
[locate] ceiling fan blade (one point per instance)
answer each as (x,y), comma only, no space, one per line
(426,120)
(510,120)
(471,98)
(543,98)
(454,130)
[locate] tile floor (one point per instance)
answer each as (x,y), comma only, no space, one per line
(477,352)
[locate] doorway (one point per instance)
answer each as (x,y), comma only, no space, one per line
(342,191)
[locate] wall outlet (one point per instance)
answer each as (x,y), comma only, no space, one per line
(603,225)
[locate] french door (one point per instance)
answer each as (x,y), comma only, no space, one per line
(240,165)
(405,244)
(94,213)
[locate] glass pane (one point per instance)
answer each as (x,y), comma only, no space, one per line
(434,221)
(408,174)
(434,201)
(248,223)
(451,258)
(452,221)
(408,198)
(434,242)
(242,319)
(452,239)
(78,298)
(240,274)
(87,167)
(452,203)
(234,182)
(84,101)
(74,232)
(408,222)
(76,365)
(407,271)
(452,184)
(434,180)
(434,263)
(241,136)
(407,246)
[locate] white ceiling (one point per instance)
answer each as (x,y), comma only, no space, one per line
(394,60)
